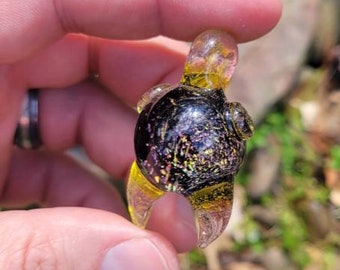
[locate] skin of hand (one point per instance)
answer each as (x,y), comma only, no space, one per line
(54,46)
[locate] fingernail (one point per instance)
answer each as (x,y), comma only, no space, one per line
(135,254)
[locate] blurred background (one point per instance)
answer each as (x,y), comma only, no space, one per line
(287,197)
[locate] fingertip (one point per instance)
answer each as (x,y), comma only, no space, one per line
(140,253)
(260,17)
(245,20)
(172,217)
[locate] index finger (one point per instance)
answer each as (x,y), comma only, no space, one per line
(27,26)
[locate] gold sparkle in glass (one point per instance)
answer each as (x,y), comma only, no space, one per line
(209,66)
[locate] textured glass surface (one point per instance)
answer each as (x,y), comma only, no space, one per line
(212,209)
(141,194)
(211,61)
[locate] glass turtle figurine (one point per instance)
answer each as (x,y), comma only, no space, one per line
(190,139)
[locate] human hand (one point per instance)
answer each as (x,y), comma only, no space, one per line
(39,49)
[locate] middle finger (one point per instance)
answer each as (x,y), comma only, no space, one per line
(127,68)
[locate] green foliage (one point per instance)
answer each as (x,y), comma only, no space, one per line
(195,257)
(293,233)
(335,157)
(252,236)
(330,257)
(298,163)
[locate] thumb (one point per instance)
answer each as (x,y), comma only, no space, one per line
(79,238)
